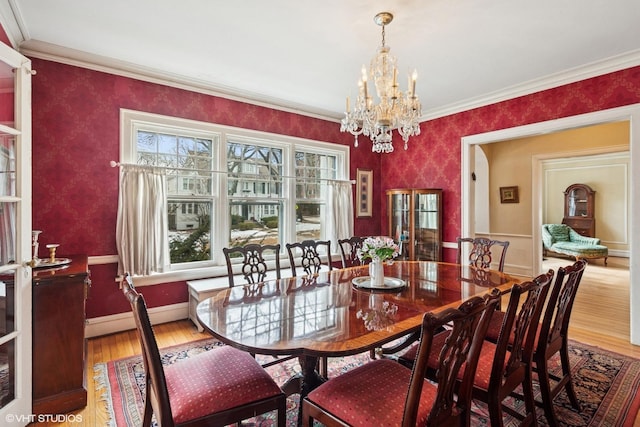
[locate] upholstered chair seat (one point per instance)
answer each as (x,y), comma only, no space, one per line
(382,377)
(239,380)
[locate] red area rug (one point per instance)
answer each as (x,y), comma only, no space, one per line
(606,384)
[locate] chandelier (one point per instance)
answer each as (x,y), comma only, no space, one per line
(395,110)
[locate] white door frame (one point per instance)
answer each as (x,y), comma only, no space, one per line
(629,113)
(19,410)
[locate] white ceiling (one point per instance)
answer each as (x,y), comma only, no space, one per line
(307,55)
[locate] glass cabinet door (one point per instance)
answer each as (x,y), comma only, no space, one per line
(427,226)
(400,222)
(415,222)
(578,202)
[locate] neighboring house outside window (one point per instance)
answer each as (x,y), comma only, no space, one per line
(230,186)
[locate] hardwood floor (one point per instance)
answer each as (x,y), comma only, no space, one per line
(600,317)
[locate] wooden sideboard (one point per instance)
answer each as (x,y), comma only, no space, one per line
(59,346)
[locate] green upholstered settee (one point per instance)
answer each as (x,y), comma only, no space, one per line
(562,239)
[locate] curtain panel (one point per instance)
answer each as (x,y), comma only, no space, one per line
(339,211)
(142,225)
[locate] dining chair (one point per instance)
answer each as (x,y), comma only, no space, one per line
(253,264)
(502,371)
(196,391)
(482,252)
(309,254)
(254,270)
(383,392)
(551,339)
(349,251)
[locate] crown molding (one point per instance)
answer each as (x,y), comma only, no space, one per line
(594,69)
(51,52)
(63,55)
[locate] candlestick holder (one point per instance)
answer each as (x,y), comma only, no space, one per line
(52,252)
(35,244)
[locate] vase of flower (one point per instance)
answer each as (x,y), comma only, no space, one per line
(378,250)
(376,273)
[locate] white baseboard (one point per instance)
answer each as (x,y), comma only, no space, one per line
(106,325)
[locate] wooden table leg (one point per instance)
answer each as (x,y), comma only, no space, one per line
(309,380)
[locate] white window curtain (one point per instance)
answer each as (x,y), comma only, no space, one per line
(142,233)
(340,211)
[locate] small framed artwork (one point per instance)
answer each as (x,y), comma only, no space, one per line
(364,192)
(509,195)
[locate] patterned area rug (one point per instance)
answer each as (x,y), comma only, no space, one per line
(606,384)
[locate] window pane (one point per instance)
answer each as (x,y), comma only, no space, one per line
(174,151)
(7,350)
(7,309)
(7,373)
(308,225)
(189,231)
(312,172)
(7,232)
(7,94)
(7,165)
(255,222)
(254,171)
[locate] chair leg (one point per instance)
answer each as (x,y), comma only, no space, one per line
(566,373)
(495,411)
(148,410)
(545,392)
(529,400)
(282,412)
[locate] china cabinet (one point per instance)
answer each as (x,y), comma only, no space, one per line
(415,222)
(579,209)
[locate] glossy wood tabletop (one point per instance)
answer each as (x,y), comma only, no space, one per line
(327,315)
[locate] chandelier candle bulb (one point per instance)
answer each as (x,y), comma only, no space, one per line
(414,77)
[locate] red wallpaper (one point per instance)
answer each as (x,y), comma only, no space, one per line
(76,131)
(76,134)
(433,158)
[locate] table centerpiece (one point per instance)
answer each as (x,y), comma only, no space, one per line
(378,250)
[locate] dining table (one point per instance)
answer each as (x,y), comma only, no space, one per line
(339,312)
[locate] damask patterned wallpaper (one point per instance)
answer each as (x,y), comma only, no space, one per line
(433,159)
(76,134)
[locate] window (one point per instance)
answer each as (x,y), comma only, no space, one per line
(230,186)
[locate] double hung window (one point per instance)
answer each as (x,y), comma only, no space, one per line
(230,187)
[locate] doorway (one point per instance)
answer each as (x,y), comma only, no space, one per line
(629,113)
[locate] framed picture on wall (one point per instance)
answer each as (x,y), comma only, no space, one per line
(509,195)
(364,191)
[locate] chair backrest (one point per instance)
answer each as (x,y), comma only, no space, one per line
(157,394)
(309,255)
(254,267)
(461,350)
(555,323)
(480,254)
(349,251)
(518,331)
